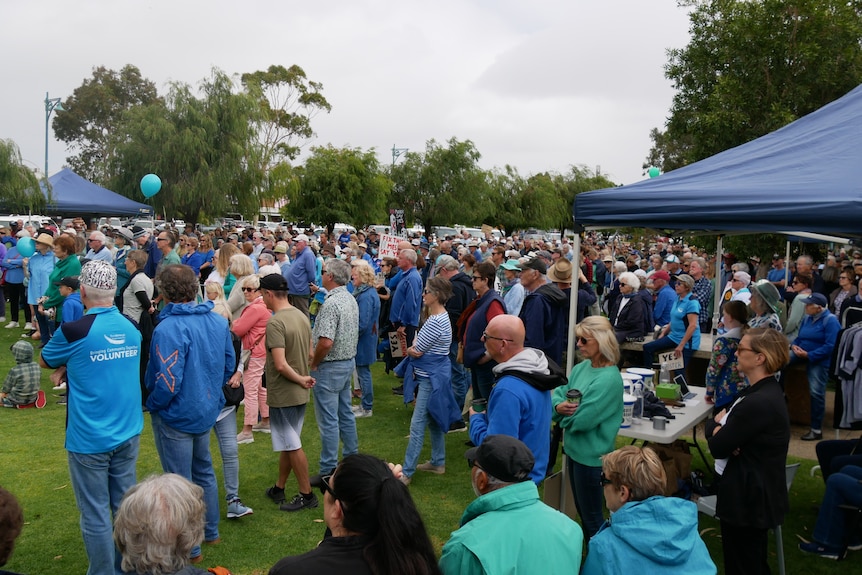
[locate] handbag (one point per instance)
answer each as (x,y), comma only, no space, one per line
(233,395)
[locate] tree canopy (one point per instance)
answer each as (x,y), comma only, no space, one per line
(197,146)
(753,66)
(441,186)
(90,116)
(19,186)
(340,185)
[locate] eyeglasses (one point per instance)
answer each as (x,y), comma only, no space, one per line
(426,292)
(740,348)
(795,282)
(161,239)
(583,340)
(93,240)
(325,486)
(248,289)
(485,335)
(603,480)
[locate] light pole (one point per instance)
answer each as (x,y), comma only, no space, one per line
(397,152)
(51,104)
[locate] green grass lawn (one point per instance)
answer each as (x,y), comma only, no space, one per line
(34,468)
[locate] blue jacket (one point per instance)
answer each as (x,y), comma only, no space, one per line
(191,357)
(369,311)
(657,535)
(474,347)
(545,313)
(664,301)
(73,309)
(407,300)
(40,267)
(818,335)
(519,410)
(441,405)
(13,263)
(302,272)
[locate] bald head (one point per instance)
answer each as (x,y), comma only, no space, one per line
(504,337)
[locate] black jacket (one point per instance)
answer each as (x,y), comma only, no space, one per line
(753,489)
(462,294)
(632,320)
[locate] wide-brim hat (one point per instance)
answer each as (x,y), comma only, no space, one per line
(46,239)
(561,271)
(768,293)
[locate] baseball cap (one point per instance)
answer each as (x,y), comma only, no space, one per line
(534,264)
(506,458)
(661,275)
(815,298)
(273,282)
(301,238)
(69,282)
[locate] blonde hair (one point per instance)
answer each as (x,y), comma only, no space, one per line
(772,344)
(639,469)
(159,522)
(599,328)
(364,271)
(225,253)
(241,266)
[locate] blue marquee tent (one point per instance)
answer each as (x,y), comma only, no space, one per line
(72,194)
(805,176)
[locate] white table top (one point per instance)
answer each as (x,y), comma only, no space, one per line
(695,411)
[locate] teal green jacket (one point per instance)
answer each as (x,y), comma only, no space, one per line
(509,530)
(591,431)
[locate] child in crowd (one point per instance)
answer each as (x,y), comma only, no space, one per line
(21,386)
(73,309)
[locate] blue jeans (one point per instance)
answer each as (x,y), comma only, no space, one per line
(418,423)
(589,495)
(225,432)
(832,455)
(46,327)
(483,379)
(818,375)
(460,381)
(363,374)
(665,344)
(332,398)
(188,455)
(841,488)
(99,481)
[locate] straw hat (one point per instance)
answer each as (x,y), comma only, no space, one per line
(46,239)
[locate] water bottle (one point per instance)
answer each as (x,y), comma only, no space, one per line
(664,376)
(638,411)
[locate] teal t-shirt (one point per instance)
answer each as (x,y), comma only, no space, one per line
(681,308)
(102,353)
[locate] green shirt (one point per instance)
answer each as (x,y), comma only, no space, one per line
(591,431)
(290,330)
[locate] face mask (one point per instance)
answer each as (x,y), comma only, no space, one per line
(373,252)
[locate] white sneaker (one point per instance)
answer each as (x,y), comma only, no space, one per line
(362,413)
(60,387)
(244,437)
(356,408)
(12,324)
(28,325)
(3,317)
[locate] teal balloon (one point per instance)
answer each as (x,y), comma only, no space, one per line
(26,247)
(150,185)
(654,172)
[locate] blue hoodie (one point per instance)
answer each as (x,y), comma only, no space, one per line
(191,357)
(657,535)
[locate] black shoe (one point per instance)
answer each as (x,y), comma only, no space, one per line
(812,436)
(398,390)
(62,401)
(300,502)
(457,426)
(469,443)
(276,494)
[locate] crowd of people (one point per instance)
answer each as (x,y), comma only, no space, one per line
(483,328)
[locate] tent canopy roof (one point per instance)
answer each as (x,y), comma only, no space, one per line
(72,194)
(804,176)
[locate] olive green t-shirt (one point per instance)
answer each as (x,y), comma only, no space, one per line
(288,329)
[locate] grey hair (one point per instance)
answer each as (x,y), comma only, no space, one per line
(739,267)
(97,235)
(620,266)
(98,296)
(340,271)
(410,255)
(446,262)
(139,257)
(268,257)
(159,522)
(631,279)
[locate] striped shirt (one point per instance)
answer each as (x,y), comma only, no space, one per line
(435,337)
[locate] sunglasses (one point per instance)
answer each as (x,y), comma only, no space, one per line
(604,480)
(426,292)
(325,487)
(583,340)
(248,289)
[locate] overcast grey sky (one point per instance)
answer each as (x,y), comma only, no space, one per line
(539,85)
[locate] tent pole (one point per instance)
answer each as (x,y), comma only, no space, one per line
(573,305)
(786,268)
(719,289)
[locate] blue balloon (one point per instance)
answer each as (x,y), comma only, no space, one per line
(150,185)
(26,247)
